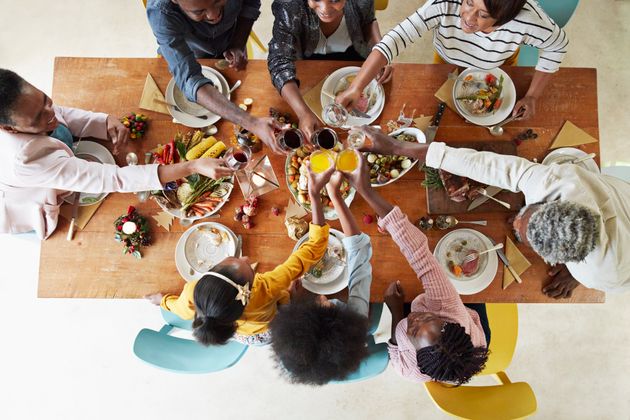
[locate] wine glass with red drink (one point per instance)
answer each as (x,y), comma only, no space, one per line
(325,138)
(237,157)
(290,138)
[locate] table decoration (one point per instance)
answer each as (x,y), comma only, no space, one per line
(132,230)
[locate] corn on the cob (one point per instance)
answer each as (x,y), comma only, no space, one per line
(199,149)
(196,138)
(215,150)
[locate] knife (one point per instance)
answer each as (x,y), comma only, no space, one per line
(506,262)
(75,214)
(432,129)
(491,191)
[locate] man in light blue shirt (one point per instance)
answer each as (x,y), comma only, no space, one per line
(187,30)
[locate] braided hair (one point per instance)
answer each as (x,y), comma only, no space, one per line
(216,309)
(453,358)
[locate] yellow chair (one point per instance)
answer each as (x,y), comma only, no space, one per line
(380,4)
(253,38)
(505,401)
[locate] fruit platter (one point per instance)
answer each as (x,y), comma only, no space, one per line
(196,196)
(385,169)
(296,173)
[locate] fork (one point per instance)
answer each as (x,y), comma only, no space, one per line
(474,255)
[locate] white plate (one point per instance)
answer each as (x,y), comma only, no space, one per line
(202,252)
(508,95)
(92,152)
(192,108)
(412,131)
(330,85)
(180,258)
(332,281)
(487,266)
(329,212)
(178,213)
(567,155)
(190,120)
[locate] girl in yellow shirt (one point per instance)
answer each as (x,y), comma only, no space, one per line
(232,298)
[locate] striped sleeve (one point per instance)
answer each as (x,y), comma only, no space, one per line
(546,35)
(412,28)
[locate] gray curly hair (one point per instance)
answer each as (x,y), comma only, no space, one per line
(563,231)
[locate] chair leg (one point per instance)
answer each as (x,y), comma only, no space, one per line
(502,378)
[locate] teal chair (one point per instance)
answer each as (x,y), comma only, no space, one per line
(181,355)
(558,10)
(378,356)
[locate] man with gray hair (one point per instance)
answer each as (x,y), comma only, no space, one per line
(577,220)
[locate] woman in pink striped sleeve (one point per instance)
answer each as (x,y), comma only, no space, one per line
(441,339)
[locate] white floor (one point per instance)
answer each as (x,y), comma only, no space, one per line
(72,359)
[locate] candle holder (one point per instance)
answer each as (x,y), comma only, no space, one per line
(257,179)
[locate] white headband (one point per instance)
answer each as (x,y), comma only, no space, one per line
(243,291)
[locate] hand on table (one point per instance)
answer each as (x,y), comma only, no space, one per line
(528,106)
(212,168)
(237,57)
(395,297)
(385,75)
(562,282)
(117,133)
(265,129)
(155,298)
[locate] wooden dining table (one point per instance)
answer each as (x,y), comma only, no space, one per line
(93,265)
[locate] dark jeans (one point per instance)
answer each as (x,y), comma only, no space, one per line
(480,308)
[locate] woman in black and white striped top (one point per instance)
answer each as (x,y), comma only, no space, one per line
(474,33)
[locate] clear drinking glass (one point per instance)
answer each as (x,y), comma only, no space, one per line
(290,138)
(325,138)
(237,157)
(335,115)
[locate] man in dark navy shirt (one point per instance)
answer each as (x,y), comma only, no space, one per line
(190,29)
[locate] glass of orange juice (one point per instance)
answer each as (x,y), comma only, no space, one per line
(321,160)
(347,160)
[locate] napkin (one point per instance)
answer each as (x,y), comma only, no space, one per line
(571,135)
(445,92)
(164,219)
(423,122)
(313,100)
(84,215)
(517,260)
(150,93)
(294,209)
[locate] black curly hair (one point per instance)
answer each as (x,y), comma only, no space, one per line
(216,310)
(11,85)
(453,358)
(314,343)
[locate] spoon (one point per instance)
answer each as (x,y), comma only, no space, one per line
(447,222)
(587,157)
(237,84)
(503,203)
(474,255)
(497,130)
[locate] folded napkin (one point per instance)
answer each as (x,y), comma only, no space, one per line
(294,209)
(84,214)
(422,122)
(313,100)
(164,219)
(571,135)
(152,98)
(445,92)
(517,260)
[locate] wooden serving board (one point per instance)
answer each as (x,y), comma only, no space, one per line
(439,203)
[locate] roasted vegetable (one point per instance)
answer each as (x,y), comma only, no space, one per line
(201,148)
(215,151)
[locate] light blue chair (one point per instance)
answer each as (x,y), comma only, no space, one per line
(181,355)
(618,171)
(558,10)
(378,356)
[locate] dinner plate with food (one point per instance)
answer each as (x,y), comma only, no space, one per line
(484,97)
(467,277)
(385,169)
(329,275)
(296,173)
(190,113)
(566,155)
(196,196)
(92,152)
(371,102)
(201,247)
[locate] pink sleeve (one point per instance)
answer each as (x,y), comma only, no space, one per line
(83,123)
(403,356)
(439,292)
(45,161)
